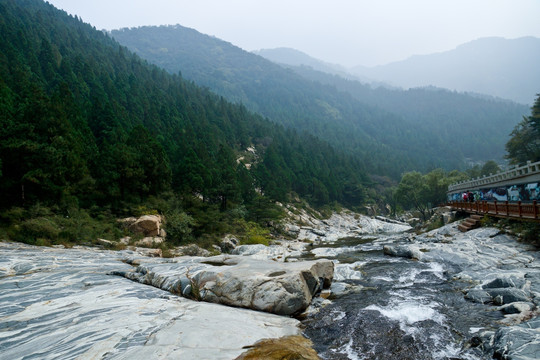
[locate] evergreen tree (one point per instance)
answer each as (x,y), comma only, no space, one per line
(524,144)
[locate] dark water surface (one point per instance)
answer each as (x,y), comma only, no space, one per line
(405,309)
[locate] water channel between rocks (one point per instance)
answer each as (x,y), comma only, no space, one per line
(70,303)
(395,308)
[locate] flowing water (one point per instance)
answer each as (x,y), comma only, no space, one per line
(401,309)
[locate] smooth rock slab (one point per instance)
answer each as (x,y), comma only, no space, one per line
(479,296)
(279,288)
(517,343)
(61,304)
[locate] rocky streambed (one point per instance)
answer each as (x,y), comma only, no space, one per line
(442,295)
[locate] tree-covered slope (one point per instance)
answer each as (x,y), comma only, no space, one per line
(391,131)
(84,121)
(478,125)
(384,141)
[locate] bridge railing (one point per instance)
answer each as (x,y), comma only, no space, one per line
(517,210)
(515,173)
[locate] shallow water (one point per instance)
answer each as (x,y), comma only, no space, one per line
(405,309)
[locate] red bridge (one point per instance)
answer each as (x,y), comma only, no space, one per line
(514,193)
(516,210)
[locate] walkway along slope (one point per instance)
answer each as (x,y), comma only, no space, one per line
(512,194)
(518,210)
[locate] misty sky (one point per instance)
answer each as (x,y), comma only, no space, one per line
(347,32)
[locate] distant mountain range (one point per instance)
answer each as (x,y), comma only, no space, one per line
(505,68)
(293,57)
(389,131)
(494,66)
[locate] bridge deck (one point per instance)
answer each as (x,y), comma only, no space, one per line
(514,210)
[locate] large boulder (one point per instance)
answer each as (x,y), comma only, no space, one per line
(505,282)
(405,251)
(228,243)
(148,225)
(499,296)
(289,347)
(274,287)
(502,296)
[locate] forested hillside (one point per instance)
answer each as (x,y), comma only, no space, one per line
(388,139)
(383,141)
(86,123)
(479,126)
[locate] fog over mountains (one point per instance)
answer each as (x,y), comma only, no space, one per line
(505,68)
(389,130)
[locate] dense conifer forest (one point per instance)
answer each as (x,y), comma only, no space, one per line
(90,132)
(86,124)
(390,130)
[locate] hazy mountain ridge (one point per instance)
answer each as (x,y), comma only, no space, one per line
(505,68)
(350,115)
(284,96)
(445,114)
(289,56)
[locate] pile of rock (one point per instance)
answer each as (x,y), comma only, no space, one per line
(515,291)
(240,281)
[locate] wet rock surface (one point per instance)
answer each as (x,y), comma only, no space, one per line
(62,304)
(279,288)
(440,295)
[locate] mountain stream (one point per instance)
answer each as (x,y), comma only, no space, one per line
(394,308)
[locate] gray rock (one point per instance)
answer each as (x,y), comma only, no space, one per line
(228,243)
(190,250)
(66,306)
(270,286)
(105,242)
(504,283)
(479,296)
(517,307)
(318,232)
(447,218)
(339,289)
(414,221)
(516,343)
(249,249)
(504,296)
(405,251)
(292,230)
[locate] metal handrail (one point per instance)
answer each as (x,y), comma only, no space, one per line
(515,173)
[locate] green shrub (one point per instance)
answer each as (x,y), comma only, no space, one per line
(178,226)
(144,210)
(531,233)
(41,226)
(435,224)
(29,231)
(13,215)
(254,234)
(79,227)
